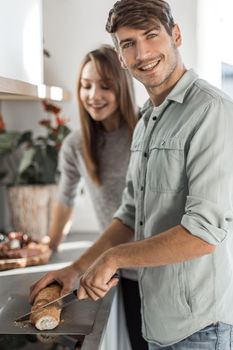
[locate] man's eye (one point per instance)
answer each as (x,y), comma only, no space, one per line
(152,35)
(127,45)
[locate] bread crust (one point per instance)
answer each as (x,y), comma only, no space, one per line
(49,317)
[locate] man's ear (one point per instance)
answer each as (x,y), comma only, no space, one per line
(176,34)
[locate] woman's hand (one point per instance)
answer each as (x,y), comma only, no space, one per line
(98,279)
(66,277)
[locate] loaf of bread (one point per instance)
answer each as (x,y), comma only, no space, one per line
(48,317)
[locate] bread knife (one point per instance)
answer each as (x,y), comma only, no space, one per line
(60,302)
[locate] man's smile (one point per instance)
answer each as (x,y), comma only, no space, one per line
(147,67)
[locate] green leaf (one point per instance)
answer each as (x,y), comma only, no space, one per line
(25,137)
(8,142)
(39,161)
(26,160)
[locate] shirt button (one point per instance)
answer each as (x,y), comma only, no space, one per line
(154,118)
(145,154)
(141,223)
(142,188)
(163,142)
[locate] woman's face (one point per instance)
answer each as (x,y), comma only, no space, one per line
(97,95)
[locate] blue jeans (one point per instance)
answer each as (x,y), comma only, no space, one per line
(217,336)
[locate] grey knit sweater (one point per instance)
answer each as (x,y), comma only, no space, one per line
(114,153)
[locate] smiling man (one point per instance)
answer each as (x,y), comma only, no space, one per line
(151,55)
(178,200)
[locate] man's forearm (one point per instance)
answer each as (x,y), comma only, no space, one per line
(172,246)
(116,233)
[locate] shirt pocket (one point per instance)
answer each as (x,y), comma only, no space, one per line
(166,166)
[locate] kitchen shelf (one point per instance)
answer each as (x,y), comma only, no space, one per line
(11,89)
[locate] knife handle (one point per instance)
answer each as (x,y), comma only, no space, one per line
(75,292)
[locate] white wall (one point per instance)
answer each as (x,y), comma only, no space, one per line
(209,53)
(185,15)
(21,40)
(225,8)
(201,25)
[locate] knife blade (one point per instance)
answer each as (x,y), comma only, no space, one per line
(61,303)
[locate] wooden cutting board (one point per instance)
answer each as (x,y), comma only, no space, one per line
(42,258)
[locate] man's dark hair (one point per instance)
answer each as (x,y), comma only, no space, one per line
(139,14)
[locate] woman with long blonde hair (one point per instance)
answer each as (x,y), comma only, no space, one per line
(99,152)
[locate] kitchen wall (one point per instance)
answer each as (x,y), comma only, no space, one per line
(73,27)
(21,40)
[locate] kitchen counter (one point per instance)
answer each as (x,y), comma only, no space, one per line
(92,316)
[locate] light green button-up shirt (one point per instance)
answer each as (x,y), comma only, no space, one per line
(181,172)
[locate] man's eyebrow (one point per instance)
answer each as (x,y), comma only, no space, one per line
(155,27)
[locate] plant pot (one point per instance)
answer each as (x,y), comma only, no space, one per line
(31,208)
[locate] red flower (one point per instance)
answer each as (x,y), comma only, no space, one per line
(60,120)
(49,107)
(2,124)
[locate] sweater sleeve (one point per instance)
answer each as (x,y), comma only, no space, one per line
(70,174)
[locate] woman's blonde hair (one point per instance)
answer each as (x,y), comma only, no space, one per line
(108,66)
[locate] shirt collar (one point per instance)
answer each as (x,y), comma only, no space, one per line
(179,91)
(177,94)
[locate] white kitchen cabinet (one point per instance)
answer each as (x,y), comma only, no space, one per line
(21,40)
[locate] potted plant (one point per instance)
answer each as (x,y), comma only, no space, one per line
(31,171)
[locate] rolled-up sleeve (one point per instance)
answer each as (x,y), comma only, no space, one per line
(209,169)
(70,175)
(126,212)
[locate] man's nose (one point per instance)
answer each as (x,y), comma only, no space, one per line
(143,51)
